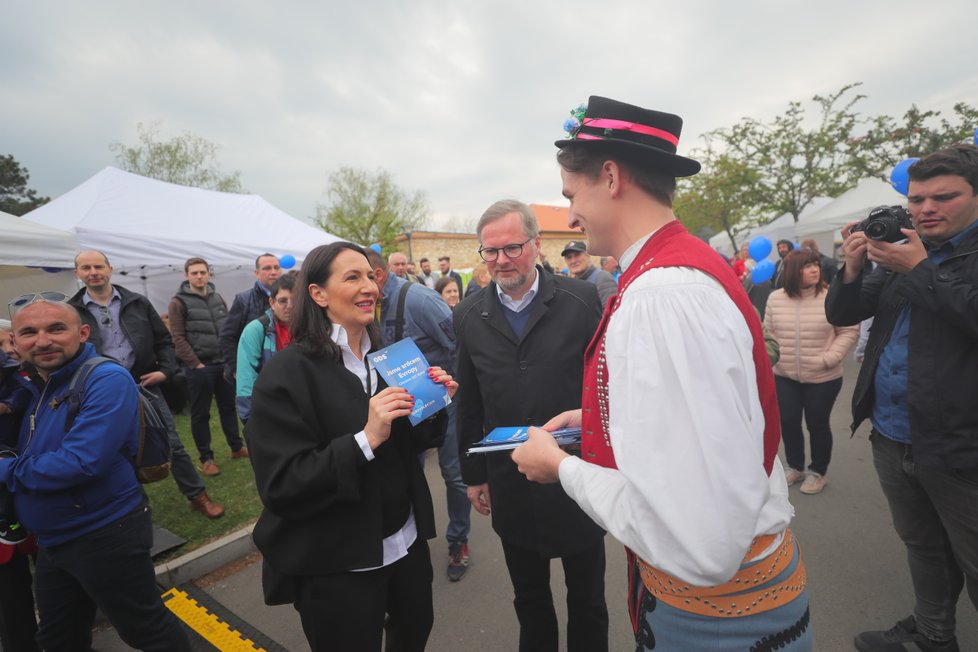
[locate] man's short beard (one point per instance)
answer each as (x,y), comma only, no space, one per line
(514,283)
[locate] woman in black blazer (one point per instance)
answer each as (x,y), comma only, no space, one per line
(347,510)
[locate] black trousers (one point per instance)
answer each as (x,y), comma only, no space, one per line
(204,385)
(934,514)
(345,612)
(587,613)
(17,623)
(110,569)
(815,401)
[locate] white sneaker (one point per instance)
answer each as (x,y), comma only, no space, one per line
(793,475)
(814,483)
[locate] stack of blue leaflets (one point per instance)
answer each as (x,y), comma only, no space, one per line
(504,439)
(403,365)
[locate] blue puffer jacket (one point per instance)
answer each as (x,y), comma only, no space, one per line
(67,484)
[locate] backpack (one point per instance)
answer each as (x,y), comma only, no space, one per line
(153,458)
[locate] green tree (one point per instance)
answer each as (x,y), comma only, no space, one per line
(367,207)
(719,198)
(15,197)
(187,160)
(888,141)
(796,159)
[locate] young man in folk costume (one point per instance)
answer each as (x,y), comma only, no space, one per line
(679,414)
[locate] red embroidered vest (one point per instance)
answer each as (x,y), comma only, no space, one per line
(671,246)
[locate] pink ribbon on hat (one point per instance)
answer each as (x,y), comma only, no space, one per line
(622,125)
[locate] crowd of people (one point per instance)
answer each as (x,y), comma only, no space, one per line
(676,372)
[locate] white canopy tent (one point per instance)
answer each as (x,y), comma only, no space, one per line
(824,225)
(149,228)
(34,258)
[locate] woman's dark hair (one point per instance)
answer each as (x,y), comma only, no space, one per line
(588,161)
(311,327)
(443,282)
(284,282)
(796,261)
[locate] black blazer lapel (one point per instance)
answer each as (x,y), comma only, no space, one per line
(494,316)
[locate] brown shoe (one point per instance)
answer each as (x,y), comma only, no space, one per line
(241,453)
(209,469)
(202,503)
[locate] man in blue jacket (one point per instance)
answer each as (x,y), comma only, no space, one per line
(76,489)
(427,320)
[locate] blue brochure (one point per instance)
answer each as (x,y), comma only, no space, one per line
(403,365)
(504,439)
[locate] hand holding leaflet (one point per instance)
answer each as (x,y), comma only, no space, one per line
(403,365)
(508,438)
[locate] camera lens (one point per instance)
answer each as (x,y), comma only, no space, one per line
(876,230)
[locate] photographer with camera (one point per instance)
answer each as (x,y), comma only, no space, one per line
(917,386)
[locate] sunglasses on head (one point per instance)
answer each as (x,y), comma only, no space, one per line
(33,297)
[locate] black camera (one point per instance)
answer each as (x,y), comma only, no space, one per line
(884,223)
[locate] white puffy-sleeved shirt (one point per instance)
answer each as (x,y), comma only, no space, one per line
(687,431)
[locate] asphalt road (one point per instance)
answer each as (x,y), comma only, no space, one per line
(857,570)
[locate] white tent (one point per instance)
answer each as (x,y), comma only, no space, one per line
(782,228)
(34,258)
(824,225)
(148,228)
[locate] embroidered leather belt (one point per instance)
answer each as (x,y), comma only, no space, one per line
(754,589)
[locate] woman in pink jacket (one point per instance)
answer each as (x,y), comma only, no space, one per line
(809,374)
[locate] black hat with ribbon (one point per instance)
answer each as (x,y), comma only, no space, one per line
(640,135)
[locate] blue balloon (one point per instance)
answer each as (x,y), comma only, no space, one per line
(759,248)
(287,261)
(900,177)
(375,247)
(763,271)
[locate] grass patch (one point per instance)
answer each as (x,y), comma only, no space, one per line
(234,489)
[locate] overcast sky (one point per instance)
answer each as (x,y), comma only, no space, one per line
(462,99)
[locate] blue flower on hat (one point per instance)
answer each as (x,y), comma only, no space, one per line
(573,123)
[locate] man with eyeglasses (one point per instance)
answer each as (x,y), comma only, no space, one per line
(247,306)
(196,315)
(75,488)
(125,326)
(519,360)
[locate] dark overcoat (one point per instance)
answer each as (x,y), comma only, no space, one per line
(509,381)
(322,498)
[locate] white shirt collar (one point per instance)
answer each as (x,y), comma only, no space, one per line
(628,257)
(354,365)
(518,305)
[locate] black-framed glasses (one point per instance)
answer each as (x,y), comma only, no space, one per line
(515,250)
(105,317)
(25,300)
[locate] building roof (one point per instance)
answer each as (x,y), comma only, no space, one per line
(552,218)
